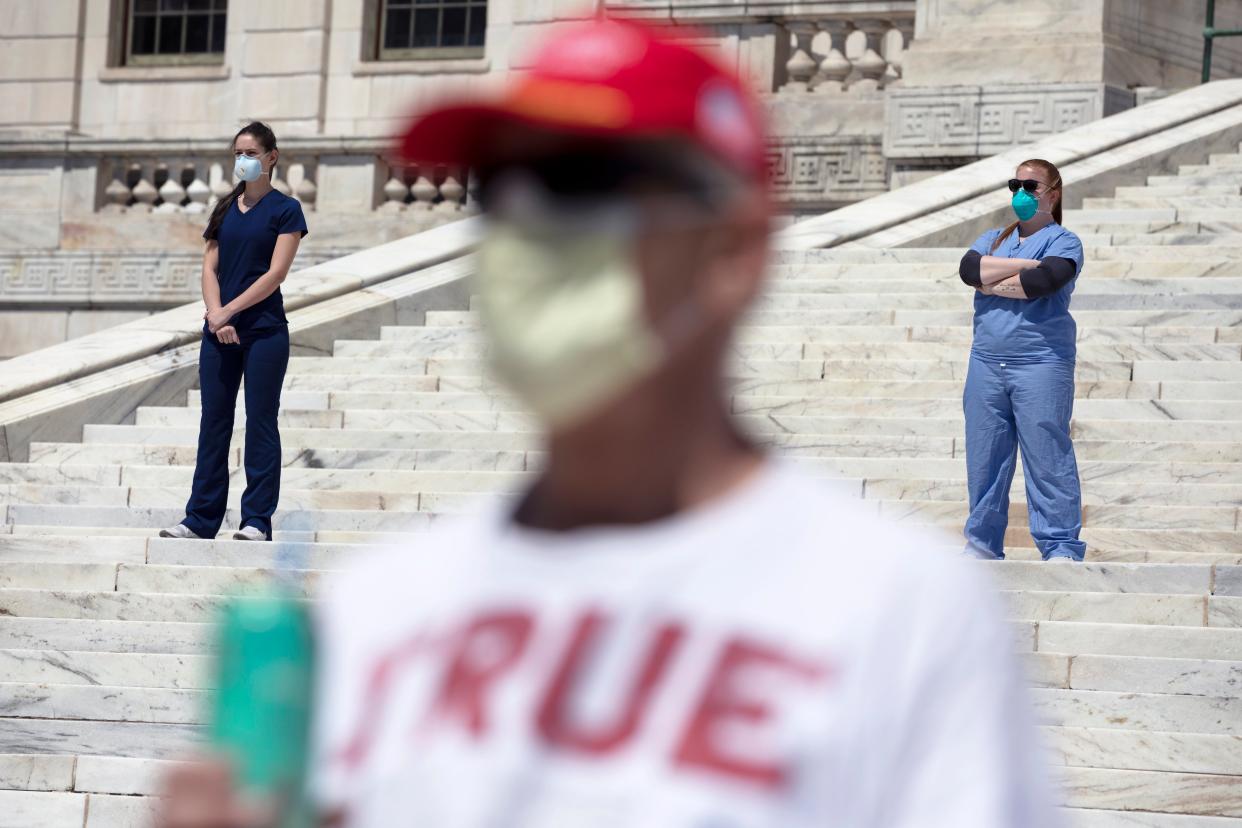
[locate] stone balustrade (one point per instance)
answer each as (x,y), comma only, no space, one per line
(413,187)
(848,54)
(146,184)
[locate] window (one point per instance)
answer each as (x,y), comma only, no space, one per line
(163,32)
(412,29)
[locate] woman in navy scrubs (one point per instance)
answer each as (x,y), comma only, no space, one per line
(1020,383)
(252,237)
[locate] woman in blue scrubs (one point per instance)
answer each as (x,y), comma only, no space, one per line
(1020,383)
(252,237)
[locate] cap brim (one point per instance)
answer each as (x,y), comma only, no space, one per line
(461,134)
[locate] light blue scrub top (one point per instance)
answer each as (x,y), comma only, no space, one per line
(1026,331)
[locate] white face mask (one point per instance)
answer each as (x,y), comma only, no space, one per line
(247,168)
(563,311)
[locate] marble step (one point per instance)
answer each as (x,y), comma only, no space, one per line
(1026,605)
(1120,673)
(1099,493)
(288,417)
(303,439)
(1139,711)
(952,326)
(441,482)
(853,469)
(184,454)
(1153,791)
(1176,186)
(128,605)
(110,669)
(1225,518)
(222,576)
(1103,263)
(100,549)
(69,702)
(97,738)
(91,635)
(447,460)
(477,399)
(151,520)
(944,400)
(1126,201)
(1146,409)
(1148,640)
(760,428)
(1229,352)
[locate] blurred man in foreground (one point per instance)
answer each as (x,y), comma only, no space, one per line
(669,628)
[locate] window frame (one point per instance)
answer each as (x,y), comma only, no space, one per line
(379,25)
(129,59)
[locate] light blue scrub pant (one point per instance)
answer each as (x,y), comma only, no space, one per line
(1029,406)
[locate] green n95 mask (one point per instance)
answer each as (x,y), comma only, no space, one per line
(563,311)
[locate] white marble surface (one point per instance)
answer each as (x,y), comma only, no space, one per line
(947,199)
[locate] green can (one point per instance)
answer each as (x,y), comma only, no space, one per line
(261,708)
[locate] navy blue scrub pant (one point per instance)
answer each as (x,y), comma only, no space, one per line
(262,361)
(1009,407)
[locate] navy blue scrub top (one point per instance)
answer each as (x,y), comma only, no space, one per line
(246,242)
(1026,331)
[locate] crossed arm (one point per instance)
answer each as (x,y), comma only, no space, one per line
(1015,278)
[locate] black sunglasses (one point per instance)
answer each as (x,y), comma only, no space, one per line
(1029,184)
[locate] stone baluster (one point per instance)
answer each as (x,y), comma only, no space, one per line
(144,192)
(117,193)
(197,190)
(902,29)
(870,65)
(801,67)
(454,192)
(304,189)
(835,68)
(424,190)
(278,173)
(220,181)
(396,190)
(171,193)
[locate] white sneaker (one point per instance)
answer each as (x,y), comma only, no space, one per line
(180,531)
(250,533)
(1062,559)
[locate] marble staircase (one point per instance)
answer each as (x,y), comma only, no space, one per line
(851,365)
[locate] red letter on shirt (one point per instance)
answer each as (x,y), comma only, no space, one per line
(725,703)
(487,647)
(556,712)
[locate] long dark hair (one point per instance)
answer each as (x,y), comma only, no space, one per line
(1054,183)
(262,133)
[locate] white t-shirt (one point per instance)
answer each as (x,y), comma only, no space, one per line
(775,658)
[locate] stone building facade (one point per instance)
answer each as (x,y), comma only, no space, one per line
(115,115)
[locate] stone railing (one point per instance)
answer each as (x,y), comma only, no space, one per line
(327,174)
(853,46)
(846,54)
(143,184)
(411,187)
(145,195)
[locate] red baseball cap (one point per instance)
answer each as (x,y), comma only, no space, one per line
(608,78)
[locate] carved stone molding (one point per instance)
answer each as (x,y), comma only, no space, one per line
(973,121)
(813,171)
(110,280)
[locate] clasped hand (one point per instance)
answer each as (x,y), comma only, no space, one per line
(217,319)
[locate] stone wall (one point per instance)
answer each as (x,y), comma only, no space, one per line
(985,75)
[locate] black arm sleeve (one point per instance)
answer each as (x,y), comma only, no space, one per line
(969,268)
(1052,274)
